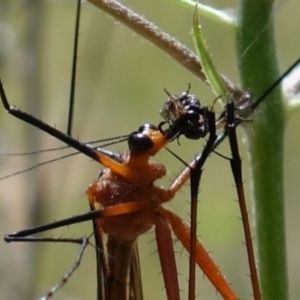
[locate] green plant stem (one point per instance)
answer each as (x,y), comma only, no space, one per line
(258,67)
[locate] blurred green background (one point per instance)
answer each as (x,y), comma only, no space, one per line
(120,86)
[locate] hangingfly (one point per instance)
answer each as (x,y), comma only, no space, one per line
(126,201)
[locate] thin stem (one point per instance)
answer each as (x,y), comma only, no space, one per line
(160,39)
(258,67)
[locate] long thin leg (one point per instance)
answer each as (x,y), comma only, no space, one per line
(195,177)
(86,149)
(98,155)
(236,167)
(67,276)
(203,260)
(120,209)
(167,258)
(82,241)
(111,211)
(74,68)
(13,237)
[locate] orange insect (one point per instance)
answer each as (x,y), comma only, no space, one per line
(127,203)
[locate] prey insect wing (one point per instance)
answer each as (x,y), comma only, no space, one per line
(134,280)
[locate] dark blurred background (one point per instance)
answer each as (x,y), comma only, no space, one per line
(120,86)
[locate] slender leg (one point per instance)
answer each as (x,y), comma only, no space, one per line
(167,257)
(71,271)
(183,232)
(195,178)
(236,167)
(84,242)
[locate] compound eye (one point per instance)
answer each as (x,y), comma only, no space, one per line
(139,142)
(194,101)
(189,100)
(146,127)
(184,98)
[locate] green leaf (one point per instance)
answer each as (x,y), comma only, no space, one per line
(224,17)
(212,75)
